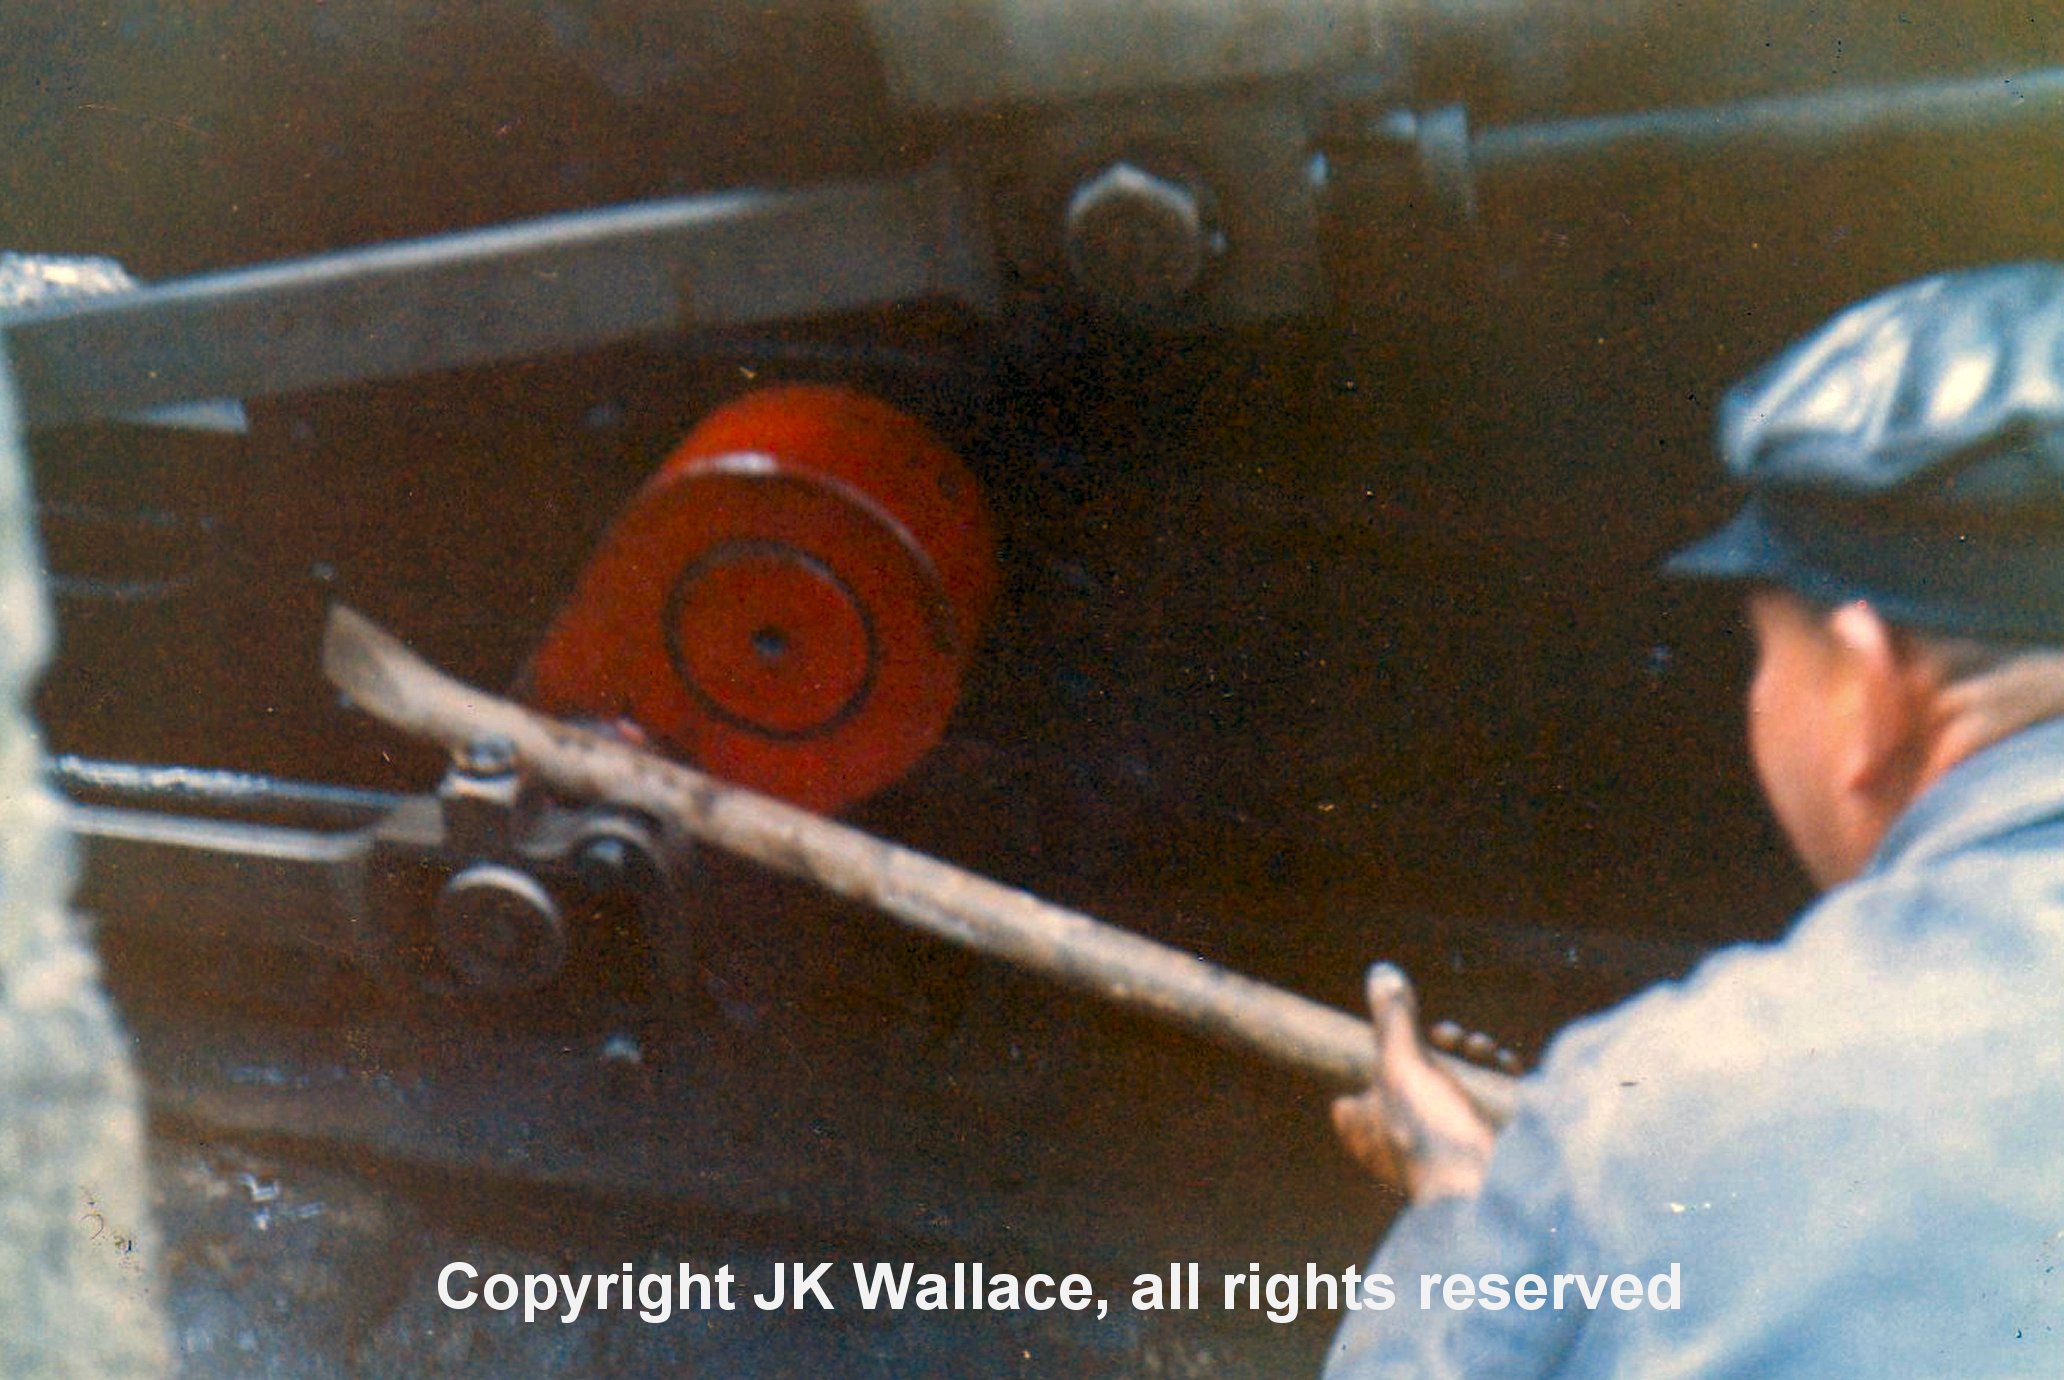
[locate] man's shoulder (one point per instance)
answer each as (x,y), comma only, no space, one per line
(1867,966)
(1954,936)
(1917,999)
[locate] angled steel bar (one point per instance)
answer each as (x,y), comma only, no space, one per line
(551,286)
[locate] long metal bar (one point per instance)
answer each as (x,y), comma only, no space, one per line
(175,787)
(1453,158)
(552,286)
(384,678)
(246,883)
(1811,120)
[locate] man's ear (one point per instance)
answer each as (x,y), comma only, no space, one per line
(1884,704)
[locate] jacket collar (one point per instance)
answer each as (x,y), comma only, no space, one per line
(2006,786)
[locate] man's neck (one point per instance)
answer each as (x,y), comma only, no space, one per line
(1971,716)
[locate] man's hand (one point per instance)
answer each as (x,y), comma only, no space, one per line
(1413,1128)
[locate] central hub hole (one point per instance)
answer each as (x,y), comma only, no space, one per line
(770,643)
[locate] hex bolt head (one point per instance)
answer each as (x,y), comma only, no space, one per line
(603,862)
(491,754)
(1136,240)
(499,931)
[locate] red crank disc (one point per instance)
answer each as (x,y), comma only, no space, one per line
(791,602)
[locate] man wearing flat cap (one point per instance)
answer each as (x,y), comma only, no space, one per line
(1841,1154)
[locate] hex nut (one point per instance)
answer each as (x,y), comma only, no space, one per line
(499,931)
(1137,241)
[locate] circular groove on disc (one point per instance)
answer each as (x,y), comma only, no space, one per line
(770,640)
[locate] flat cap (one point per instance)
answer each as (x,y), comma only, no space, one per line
(1911,453)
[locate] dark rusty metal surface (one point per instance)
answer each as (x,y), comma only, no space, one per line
(850,1125)
(1326,618)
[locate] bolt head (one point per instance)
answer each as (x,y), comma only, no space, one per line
(499,931)
(491,754)
(1136,240)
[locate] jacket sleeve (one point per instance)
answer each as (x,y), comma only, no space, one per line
(1517,1226)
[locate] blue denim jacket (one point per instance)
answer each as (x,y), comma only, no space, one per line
(1849,1144)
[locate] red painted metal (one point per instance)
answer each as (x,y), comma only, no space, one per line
(791,602)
